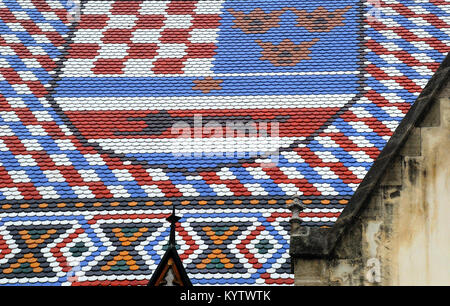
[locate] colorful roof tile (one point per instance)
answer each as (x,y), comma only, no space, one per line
(113,111)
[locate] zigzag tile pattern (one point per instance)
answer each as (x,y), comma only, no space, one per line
(111,116)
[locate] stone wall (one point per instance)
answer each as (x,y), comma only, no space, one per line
(402,236)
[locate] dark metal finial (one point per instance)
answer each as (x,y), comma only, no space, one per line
(173,219)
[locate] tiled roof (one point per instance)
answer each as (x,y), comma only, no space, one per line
(112,115)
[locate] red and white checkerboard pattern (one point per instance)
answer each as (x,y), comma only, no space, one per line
(145,38)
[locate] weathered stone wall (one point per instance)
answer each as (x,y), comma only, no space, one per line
(421,244)
(402,237)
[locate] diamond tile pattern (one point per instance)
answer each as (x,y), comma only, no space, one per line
(226,109)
